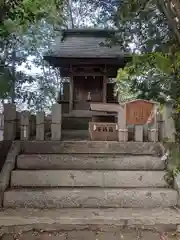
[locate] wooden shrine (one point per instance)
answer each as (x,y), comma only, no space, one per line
(87,66)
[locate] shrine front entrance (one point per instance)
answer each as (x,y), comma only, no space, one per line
(86,90)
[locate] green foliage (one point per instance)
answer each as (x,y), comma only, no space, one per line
(18,15)
(173,168)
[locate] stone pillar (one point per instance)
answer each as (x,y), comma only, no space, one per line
(71,93)
(33,126)
(153,135)
(40,126)
(9,122)
(122,128)
(153,131)
(104,89)
(56,122)
(25,125)
(168,125)
(139,133)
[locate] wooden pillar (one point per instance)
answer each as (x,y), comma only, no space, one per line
(105,89)
(71,91)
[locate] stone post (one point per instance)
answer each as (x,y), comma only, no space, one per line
(9,122)
(153,135)
(168,124)
(122,128)
(56,122)
(25,125)
(40,125)
(153,131)
(139,129)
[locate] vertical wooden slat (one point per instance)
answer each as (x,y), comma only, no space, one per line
(104,89)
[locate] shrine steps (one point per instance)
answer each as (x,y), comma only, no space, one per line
(75,161)
(111,220)
(90,198)
(87,174)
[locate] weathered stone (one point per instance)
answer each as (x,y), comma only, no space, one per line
(25,118)
(169,128)
(88,178)
(146,235)
(56,131)
(177,187)
(9,130)
(40,126)
(36,236)
(25,125)
(7,168)
(118,219)
(89,161)
(117,235)
(9,165)
(96,197)
(139,133)
(153,135)
(81,235)
(123,135)
(9,122)
(9,112)
(134,148)
(56,114)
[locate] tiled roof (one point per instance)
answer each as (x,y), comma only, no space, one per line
(85,43)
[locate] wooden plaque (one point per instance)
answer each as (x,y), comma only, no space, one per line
(138,112)
(102,131)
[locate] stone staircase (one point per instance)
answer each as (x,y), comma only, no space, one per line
(93,181)
(89,175)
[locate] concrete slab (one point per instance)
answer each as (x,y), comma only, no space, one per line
(90,197)
(87,178)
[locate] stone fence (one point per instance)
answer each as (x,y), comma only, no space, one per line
(129,126)
(25,126)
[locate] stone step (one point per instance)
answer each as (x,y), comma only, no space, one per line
(88,178)
(92,219)
(89,162)
(90,198)
(54,147)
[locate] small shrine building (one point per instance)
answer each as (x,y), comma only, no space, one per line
(89,67)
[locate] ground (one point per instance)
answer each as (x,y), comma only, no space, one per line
(92,235)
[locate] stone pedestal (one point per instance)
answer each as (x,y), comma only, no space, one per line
(40,126)
(138,133)
(56,122)
(25,125)
(9,122)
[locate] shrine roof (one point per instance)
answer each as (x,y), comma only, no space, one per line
(85,44)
